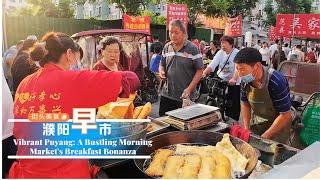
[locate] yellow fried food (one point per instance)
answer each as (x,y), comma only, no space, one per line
(200,150)
(222,168)
(207,167)
(137,111)
(173,166)
(156,167)
(191,167)
(146,110)
(121,109)
(184,149)
(238,161)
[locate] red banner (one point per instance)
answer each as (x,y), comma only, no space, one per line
(234,27)
(272,34)
(298,25)
(141,23)
(177,11)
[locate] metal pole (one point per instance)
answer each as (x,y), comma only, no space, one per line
(4,27)
(293,25)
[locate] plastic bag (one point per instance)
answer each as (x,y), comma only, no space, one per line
(311,122)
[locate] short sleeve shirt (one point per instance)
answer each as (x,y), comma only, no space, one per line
(222,58)
(279,92)
(180,67)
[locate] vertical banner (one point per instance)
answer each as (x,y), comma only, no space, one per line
(272,34)
(177,11)
(141,23)
(234,27)
(298,25)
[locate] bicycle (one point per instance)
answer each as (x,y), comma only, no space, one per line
(217,96)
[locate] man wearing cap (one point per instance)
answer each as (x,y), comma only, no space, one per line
(264,92)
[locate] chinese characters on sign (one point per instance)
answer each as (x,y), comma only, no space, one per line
(177,11)
(272,34)
(41,112)
(141,23)
(234,27)
(298,25)
(83,119)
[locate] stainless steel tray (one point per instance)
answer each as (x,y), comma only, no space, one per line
(158,125)
(192,111)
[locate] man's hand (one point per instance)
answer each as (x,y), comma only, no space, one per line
(232,82)
(280,123)
(162,73)
(186,93)
(203,75)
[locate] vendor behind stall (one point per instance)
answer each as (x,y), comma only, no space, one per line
(61,90)
(266,93)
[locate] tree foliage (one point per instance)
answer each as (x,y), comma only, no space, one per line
(155,19)
(47,8)
(286,7)
(132,7)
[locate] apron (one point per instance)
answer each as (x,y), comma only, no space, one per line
(263,111)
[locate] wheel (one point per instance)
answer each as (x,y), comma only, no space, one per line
(197,93)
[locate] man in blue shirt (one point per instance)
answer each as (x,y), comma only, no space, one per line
(264,92)
(155,60)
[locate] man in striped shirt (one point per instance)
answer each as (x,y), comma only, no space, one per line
(181,65)
(266,92)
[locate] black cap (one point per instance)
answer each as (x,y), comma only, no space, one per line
(248,56)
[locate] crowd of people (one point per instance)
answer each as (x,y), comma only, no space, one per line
(49,66)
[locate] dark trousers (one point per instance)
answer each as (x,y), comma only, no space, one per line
(234,96)
(8,148)
(168,104)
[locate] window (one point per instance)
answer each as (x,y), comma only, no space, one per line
(13,1)
(20,1)
(99,11)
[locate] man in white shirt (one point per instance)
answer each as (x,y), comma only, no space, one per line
(286,49)
(258,45)
(8,146)
(274,48)
(265,53)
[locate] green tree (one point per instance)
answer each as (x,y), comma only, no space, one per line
(286,7)
(155,19)
(271,14)
(132,7)
(47,8)
(65,9)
